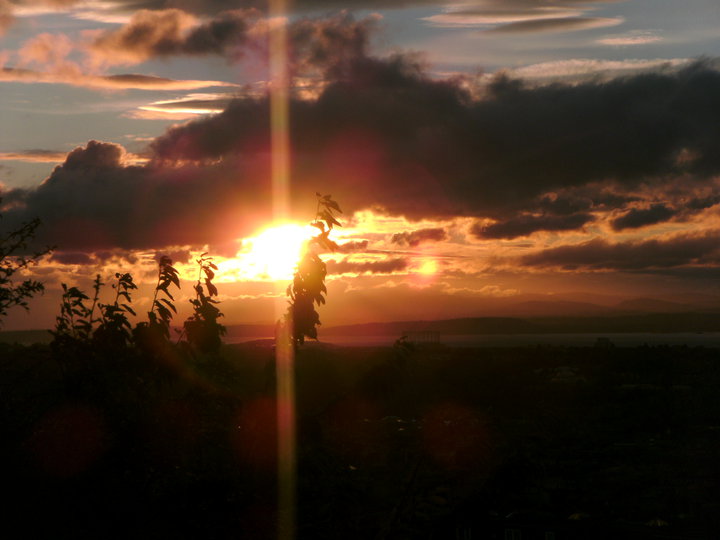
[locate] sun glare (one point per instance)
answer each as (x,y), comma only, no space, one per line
(271,254)
(428,267)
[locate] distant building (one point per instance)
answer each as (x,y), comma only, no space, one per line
(422,337)
(604,343)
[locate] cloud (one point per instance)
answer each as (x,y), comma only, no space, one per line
(34,156)
(415,238)
(128,81)
(183,108)
(98,200)
(563,24)
(600,254)
(389,266)
(586,69)
(514,16)
(483,17)
(71,258)
(526,225)
(640,217)
(629,39)
(55,156)
(353,246)
(170,32)
(6,15)
(314,43)
(384,134)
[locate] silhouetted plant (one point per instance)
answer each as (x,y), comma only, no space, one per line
(308,285)
(12,261)
(74,320)
(71,339)
(155,334)
(202,329)
(114,329)
(162,309)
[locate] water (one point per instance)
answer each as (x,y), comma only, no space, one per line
(691,339)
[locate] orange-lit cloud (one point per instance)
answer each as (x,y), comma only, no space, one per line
(602,254)
(130,81)
(630,39)
(385,266)
(53,156)
(486,182)
(415,238)
(6,15)
(34,156)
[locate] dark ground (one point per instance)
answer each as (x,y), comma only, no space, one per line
(393,443)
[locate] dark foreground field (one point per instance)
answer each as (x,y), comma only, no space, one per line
(524,443)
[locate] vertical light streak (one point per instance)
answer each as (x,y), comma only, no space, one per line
(284,353)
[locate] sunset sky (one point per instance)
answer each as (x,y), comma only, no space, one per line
(484,153)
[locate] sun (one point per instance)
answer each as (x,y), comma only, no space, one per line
(272,254)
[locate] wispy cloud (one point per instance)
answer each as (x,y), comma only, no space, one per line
(128,81)
(584,68)
(34,156)
(473,17)
(385,266)
(566,24)
(524,16)
(415,238)
(636,37)
(55,156)
(601,254)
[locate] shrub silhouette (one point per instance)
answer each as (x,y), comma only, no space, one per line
(13,259)
(308,285)
(202,329)
(114,329)
(79,333)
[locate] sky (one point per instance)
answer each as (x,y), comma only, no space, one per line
(484,153)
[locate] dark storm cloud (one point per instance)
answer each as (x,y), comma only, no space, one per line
(701,203)
(384,133)
(71,258)
(567,204)
(388,266)
(415,238)
(599,254)
(526,225)
(94,201)
(640,217)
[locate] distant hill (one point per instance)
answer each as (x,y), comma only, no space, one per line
(250,330)
(478,325)
(652,305)
(26,337)
(651,322)
(545,308)
(530,315)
